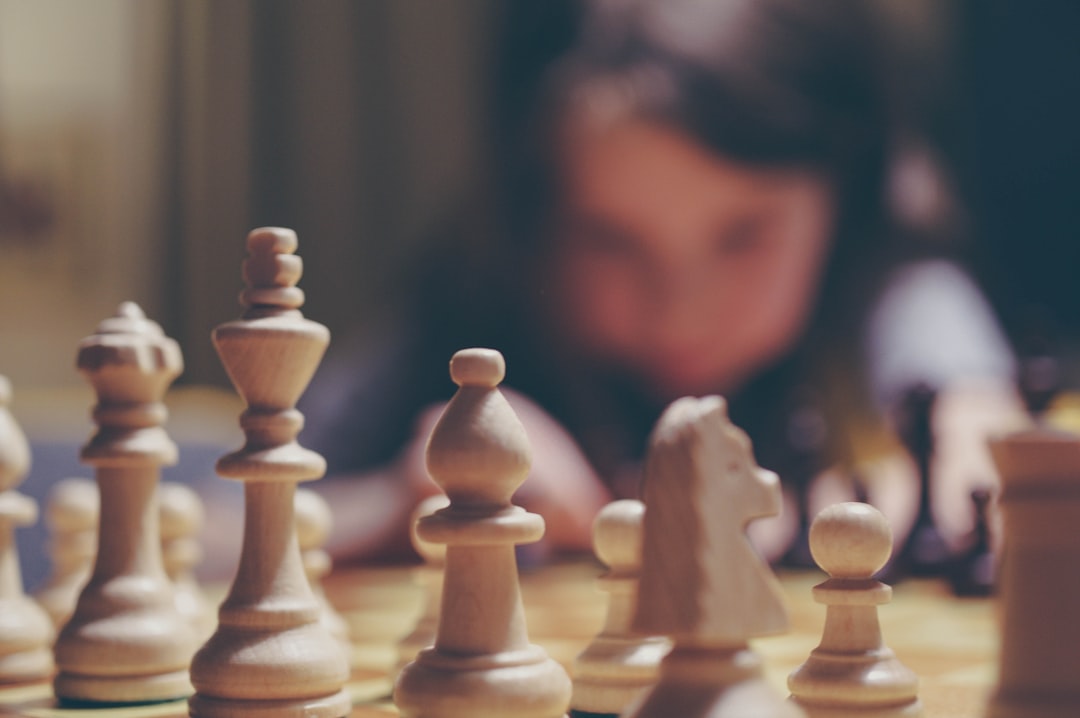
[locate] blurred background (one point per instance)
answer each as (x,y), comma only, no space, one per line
(140,140)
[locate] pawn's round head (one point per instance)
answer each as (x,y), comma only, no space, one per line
(478,367)
(617,534)
(850,540)
(73,505)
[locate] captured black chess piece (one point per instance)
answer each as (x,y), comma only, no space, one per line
(925,552)
(974,569)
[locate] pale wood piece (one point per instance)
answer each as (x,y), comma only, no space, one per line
(313,524)
(1039,660)
(126,642)
(270,657)
(701,582)
(482,664)
(429,577)
(182,518)
(26,632)
(71,513)
(618,664)
(852,672)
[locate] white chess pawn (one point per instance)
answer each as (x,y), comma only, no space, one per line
(25,629)
(482,664)
(429,578)
(71,513)
(852,672)
(182,518)
(618,665)
(313,525)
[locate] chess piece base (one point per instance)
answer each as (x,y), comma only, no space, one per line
(121,690)
(335,705)
(26,666)
(1003,706)
(712,683)
(614,671)
(523,684)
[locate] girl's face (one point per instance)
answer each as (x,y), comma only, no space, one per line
(690,271)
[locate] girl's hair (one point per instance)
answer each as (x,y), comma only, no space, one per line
(768,83)
(786,83)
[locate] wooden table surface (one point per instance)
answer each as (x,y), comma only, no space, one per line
(950,643)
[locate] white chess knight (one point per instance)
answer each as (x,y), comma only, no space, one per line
(701,583)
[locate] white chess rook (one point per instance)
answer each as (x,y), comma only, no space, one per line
(1039,660)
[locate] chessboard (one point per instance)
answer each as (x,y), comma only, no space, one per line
(950,642)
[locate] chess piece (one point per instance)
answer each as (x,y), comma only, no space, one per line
(1039,660)
(26,632)
(71,513)
(182,519)
(806,438)
(313,524)
(270,657)
(617,665)
(973,570)
(125,642)
(701,582)
(482,664)
(852,672)
(925,552)
(429,577)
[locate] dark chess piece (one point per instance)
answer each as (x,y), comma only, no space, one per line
(974,569)
(925,552)
(806,437)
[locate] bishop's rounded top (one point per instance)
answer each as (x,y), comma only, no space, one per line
(478,452)
(851,540)
(478,367)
